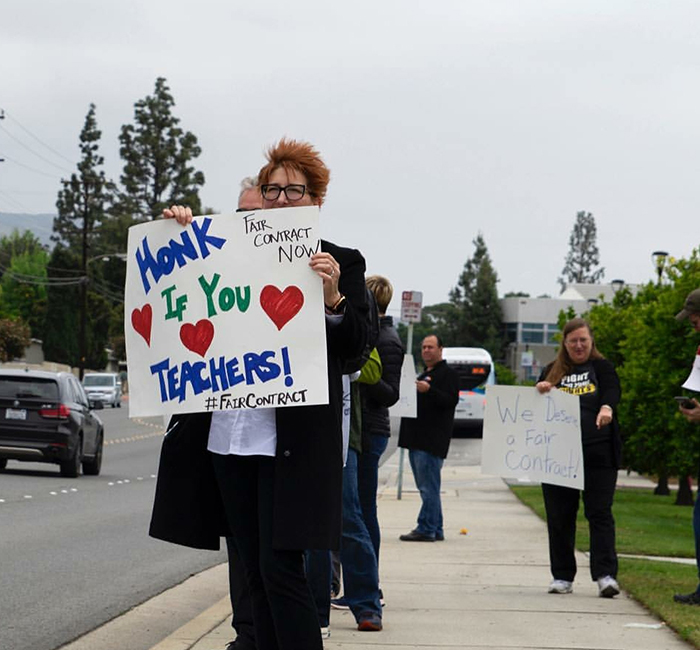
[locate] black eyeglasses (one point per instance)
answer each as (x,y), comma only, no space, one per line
(292,192)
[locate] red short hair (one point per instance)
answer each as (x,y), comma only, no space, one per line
(300,157)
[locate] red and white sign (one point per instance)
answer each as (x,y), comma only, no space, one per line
(411,303)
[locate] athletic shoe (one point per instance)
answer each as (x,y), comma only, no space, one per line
(560,587)
(339,603)
(439,537)
(369,622)
(608,587)
(326,632)
(688,599)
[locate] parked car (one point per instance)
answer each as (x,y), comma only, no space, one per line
(46,417)
(105,387)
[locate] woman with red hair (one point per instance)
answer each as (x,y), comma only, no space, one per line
(280,491)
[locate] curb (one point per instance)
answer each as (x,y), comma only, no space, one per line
(190,633)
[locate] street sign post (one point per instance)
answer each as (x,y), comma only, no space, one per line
(411,306)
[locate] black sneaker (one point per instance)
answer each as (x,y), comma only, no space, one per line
(687,599)
(415,536)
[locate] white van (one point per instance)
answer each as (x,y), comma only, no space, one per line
(475,369)
(105,387)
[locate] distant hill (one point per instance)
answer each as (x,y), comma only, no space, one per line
(40,224)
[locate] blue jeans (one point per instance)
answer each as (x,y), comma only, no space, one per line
(367,472)
(426,472)
(696,530)
(318,575)
(360,574)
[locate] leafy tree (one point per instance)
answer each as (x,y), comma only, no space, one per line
(583,257)
(478,310)
(653,353)
(24,289)
(14,338)
(157,156)
(516,294)
(16,244)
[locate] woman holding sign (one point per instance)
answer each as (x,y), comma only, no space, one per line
(581,370)
(272,478)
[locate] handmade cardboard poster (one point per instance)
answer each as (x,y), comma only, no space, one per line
(533,436)
(407,406)
(225,313)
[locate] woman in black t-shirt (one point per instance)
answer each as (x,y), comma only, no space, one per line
(581,370)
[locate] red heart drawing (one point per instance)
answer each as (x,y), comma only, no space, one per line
(281,306)
(197,337)
(141,321)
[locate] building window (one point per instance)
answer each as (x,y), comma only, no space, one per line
(533,333)
(511,332)
(552,331)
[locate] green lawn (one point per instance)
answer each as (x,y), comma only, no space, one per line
(647,524)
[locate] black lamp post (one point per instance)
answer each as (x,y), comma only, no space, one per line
(659,258)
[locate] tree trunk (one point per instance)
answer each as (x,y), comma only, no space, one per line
(685,492)
(662,486)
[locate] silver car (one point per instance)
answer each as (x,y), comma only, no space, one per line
(103,387)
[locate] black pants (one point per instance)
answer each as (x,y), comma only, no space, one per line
(240,599)
(561,504)
(284,613)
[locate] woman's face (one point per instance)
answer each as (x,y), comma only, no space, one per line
(579,344)
(282,178)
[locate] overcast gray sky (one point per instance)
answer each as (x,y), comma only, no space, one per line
(438,120)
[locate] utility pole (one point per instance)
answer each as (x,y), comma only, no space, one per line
(84,284)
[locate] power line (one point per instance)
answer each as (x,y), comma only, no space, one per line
(4,113)
(31,169)
(38,155)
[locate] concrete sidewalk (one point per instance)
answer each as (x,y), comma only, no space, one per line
(483,590)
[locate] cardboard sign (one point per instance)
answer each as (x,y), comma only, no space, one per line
(693,381)
(225,313)
(407,406)
(533,436)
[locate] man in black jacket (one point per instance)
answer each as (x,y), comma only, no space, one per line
(427,437)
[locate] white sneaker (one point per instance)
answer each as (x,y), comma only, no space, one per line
(608,587)
(560,587)
(326,632)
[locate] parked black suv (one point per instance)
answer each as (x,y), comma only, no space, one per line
(46,417)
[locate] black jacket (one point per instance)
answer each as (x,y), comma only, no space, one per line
(431,431)
(377,398)
(308,462)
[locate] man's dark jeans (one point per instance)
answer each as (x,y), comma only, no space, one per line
(426,472)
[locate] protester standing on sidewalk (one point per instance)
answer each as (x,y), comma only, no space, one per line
(581,370)
(691,311)
(376,400)
(273,478)
(427,437)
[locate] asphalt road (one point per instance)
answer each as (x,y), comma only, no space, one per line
(75,553)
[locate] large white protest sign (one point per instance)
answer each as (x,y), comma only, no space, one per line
(407,406)
(532,435)
(225,313)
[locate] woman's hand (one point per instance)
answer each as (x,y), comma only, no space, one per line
(692,415)
(328,270)
(180,213)
(604,416)
(543,386)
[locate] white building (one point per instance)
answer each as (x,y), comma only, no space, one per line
(530,324)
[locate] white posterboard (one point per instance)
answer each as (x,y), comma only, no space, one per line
(533,436)
(225,313)
(407,406)
(693,381)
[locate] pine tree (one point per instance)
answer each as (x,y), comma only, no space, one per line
(157,158)
(478,310)
(85,199)
(583,257)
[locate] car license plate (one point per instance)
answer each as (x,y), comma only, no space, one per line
(15,414)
